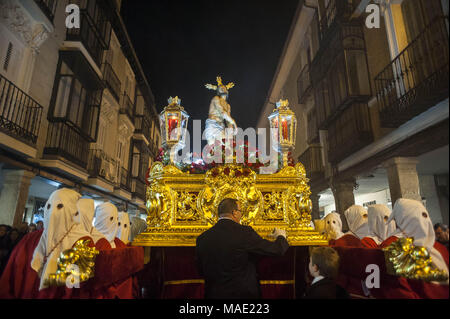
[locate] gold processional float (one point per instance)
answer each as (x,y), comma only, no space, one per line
(181,205)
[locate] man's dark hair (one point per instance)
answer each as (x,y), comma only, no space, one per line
(441,226)
(227,206)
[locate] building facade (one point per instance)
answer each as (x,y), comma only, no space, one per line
(372,103)
(76,109)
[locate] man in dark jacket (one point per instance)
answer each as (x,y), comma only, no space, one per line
(226,255)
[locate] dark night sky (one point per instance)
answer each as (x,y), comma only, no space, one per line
(182,45)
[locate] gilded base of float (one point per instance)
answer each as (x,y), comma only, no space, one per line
(181,206)
(157,238)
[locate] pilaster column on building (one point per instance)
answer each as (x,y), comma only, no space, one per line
(403,178)
(343,197)
(315,213)
(14,195)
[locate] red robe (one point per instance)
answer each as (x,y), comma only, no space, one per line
(352,274)
(388,241)
(347,241)
(115,271)
(369,242)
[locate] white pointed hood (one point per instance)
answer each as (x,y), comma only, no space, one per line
(86,207)
(62,229)
(124,227)
(413,220)
(333,226)
(138,225)
(106,221)
(357,221)
(379,229)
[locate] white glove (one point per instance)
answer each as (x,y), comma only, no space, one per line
(278,232)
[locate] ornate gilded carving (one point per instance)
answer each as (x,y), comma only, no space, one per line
(181,206)
(187,210)
(409,261)
(231,181)
(273,206)
(76,264)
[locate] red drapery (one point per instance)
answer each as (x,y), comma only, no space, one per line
(115,274)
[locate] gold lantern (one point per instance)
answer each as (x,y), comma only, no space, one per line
(173,123)
(283,125)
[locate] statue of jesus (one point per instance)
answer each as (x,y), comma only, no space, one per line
(219,113)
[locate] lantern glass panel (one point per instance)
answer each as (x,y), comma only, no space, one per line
(286,128)
(172,126)
(184,123)
(273,120)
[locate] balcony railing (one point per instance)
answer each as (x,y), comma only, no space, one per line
(125,180)
(304,84)
(101,165)
(66,141)
(48,7)
(350,132)
(417,78)
(127,107)
(112,80)
(20,115)
(95,29)
(142,125)
(312,160)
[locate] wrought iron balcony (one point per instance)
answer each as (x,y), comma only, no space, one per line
(417,78)
(312,160)
(101,165)
(304,84)
(112,80)
(127,107)
(20,115)
(48,7)
(350,132)
(67,141)
(94,31)
(125,180)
